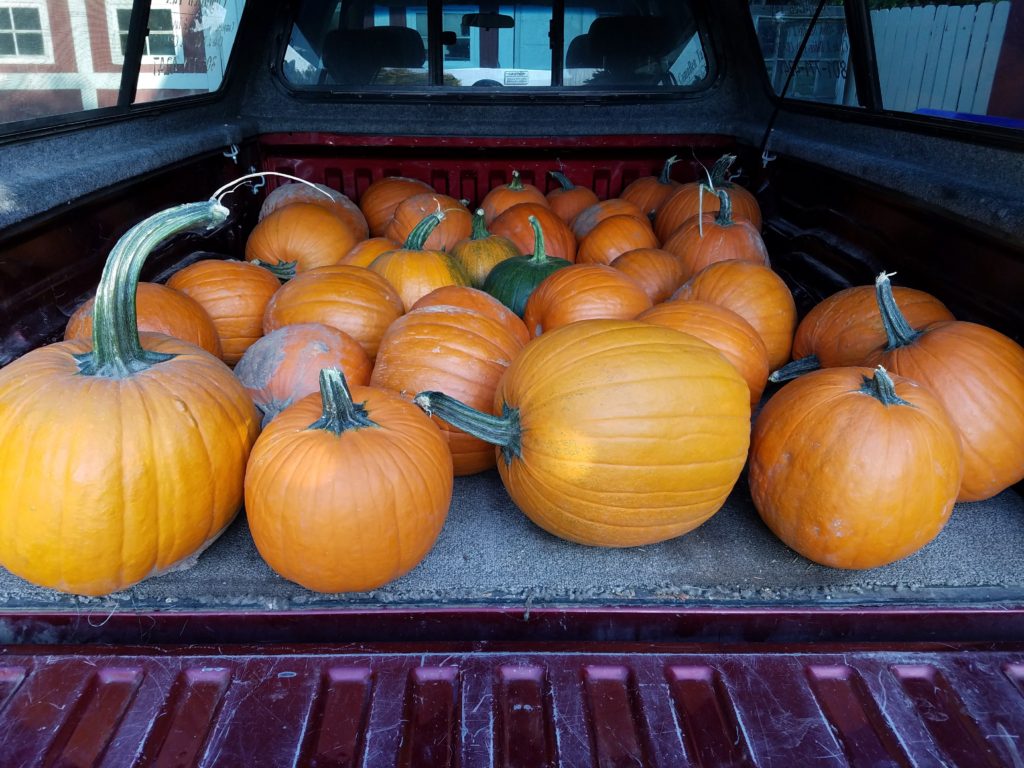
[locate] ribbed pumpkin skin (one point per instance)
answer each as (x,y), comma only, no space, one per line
(569,203)
(658,272)
(513,281)
(303,233)
(452,350)
(756,294)
(314,500)
(631,434)
(978,375)
(649,192)
(478,256)
(284,366)
(363,253)
(382,197)
(234,294)
(686,203)
(702,241)
(478,301)
(351,299)
(514,223)
(334,201)
(159,310)
(457,223)
(504,196)
(724,330)
(136,475)
(595,214)
(846,327)
(583,292)
(414,274)
(613,237)
(847,481)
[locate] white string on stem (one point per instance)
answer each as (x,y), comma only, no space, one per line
(232,186)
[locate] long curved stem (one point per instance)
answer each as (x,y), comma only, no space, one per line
(340,414)
(116,349)
(666,170)
(540,255)
(795,369)
(503,431)
(418,236)
(897,330)
(562,179)
(724,218)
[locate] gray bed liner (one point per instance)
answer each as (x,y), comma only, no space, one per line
(490,552)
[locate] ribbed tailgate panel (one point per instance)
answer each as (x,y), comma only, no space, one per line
(531,710)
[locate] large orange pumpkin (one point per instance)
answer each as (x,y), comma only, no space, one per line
(715,237)
(846,327)
(123,456)
(284,366)
(567,200)
(482,252)
(382,197)
(583,292)
(649,192)
(504,196)
(234,294)
(514,223)
(724,330)
(658,272)
(595,214)
(159,310)
(899,445)
(478,301)
(363,253)
(313,488)
(299,237)
(978,374)
(701,197)
(318,194)
(756,294)
(414,270)
(351,299)
(454,226)
(456,351)
(610,434)
(613,237)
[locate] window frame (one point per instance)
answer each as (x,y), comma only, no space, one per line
(114,32)
(46,57)
(437,91)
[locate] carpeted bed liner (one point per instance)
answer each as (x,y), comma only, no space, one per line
(490,552)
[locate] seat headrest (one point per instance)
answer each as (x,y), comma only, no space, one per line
(632,36)
(355,56)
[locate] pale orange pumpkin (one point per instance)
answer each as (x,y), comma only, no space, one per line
(318,194)
(583,292)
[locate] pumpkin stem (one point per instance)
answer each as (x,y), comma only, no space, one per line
(479,226)
(724,218)
(116,349)
(340,413)
(897,330)
(516,185)
(540,255)
(562,179)
(418,237)
(666,170)
(503,431)
(720,170)
(283,270)
(796,368)
(881,387)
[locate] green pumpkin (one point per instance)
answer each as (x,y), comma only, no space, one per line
(512,281)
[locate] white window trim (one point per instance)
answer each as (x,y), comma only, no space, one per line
(44,23)
(113,31)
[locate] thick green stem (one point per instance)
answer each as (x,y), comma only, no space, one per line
(724,218)
(479,226)
(116,349)
(720,170)
(666,170)
(897,330)
(503,431)
(418,237)
(340,414)
(882,388)
(283,270)
(540,255)
(796,368)
(516,185)
(564,181)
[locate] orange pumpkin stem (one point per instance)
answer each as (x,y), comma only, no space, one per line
(898,331)
(881,387)
(117,351)
(340,414)
(503,431)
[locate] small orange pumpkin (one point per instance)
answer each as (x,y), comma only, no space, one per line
(284,366)
(234,294)
(455,225)
(363,254)
(159,310)
(595,214)
(583,292)
(567,200)
(382,197)
(649,192)
(658,272)
(482,252)
(299,237)
(514,223)
(313,486)
(613,237)
(700,197)
(504,196)
(478,301)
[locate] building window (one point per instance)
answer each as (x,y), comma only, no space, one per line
(163,43)
(24,33)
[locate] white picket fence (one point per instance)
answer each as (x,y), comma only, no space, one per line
(939,56)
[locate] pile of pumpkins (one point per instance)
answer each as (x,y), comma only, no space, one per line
(604,355)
